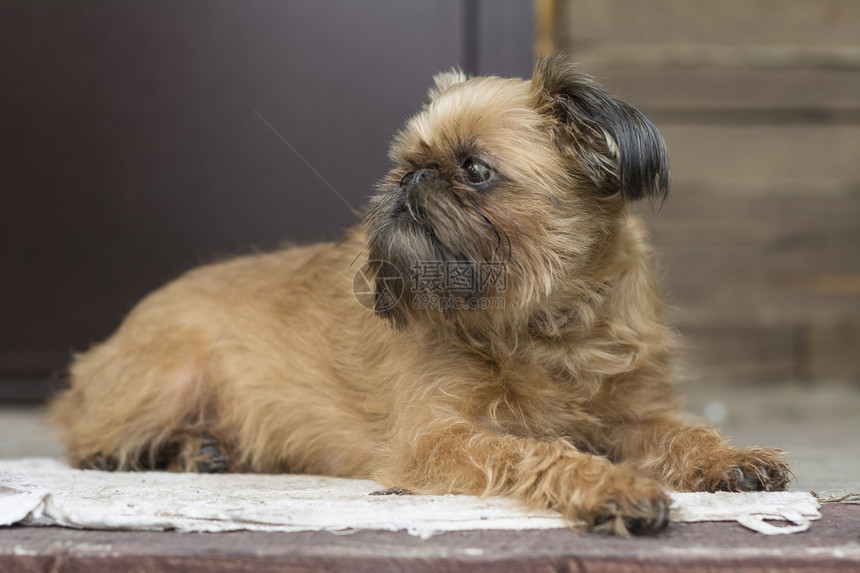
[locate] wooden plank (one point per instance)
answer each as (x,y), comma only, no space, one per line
(713,219)
(766,285)
(689,55)
(784,155)
(829,545)
(742,352)
(705,293)
(759,258)
(588,24)
(834,349)
(780,223)
(658,89)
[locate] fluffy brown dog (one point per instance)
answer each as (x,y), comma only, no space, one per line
(514,344)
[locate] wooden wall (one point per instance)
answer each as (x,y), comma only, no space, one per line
(759,102)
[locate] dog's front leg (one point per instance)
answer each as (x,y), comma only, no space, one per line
(589,490)
(688,457)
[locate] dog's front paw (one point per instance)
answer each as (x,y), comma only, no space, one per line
(642,516)
(637,505)
(752,469)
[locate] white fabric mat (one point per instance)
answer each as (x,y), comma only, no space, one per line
(44,491)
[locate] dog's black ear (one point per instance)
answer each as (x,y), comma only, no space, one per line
(617,146)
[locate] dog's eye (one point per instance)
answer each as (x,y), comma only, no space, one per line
(477,171)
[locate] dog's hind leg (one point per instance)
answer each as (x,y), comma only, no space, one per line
(126,406)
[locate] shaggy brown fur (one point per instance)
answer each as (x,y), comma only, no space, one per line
(558,394)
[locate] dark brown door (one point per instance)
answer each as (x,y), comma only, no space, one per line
(141,138)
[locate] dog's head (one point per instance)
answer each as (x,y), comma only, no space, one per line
(505,192)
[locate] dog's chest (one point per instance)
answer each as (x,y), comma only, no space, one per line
(541,405)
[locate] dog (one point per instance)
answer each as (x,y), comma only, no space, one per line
(491,326)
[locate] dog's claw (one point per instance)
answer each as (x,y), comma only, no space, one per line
(761,471)
(654,516)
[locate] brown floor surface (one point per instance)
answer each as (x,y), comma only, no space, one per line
(832,544)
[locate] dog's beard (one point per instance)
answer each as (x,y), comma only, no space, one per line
(429,244)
